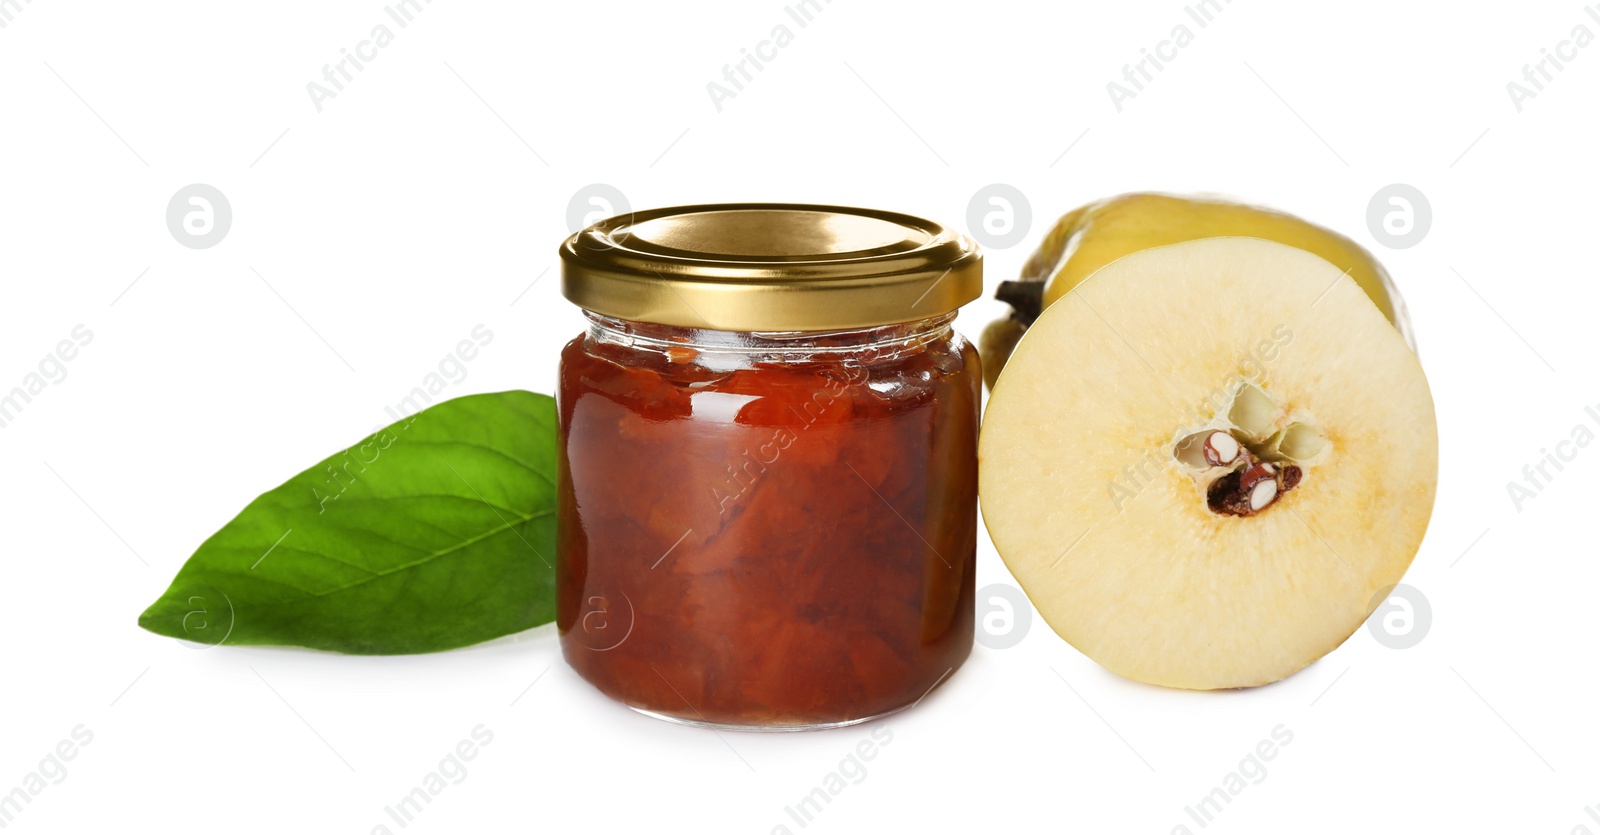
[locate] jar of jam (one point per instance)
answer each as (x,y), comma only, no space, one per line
(767,508)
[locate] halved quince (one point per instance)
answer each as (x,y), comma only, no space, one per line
(1205,460)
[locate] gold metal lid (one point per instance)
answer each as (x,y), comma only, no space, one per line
(770,267)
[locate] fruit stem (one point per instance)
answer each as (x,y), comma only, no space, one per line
(1025,297)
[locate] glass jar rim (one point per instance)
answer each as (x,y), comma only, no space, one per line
(657,336)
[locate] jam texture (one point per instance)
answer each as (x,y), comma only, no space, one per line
(770,534)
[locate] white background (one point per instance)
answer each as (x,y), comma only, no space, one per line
(430,196)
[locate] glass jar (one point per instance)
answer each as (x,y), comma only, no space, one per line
(768,526)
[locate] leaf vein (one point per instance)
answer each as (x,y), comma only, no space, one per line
(378,574)
(437,554)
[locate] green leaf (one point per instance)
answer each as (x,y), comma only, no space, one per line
(435,532)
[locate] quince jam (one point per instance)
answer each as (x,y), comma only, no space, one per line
(767,530)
